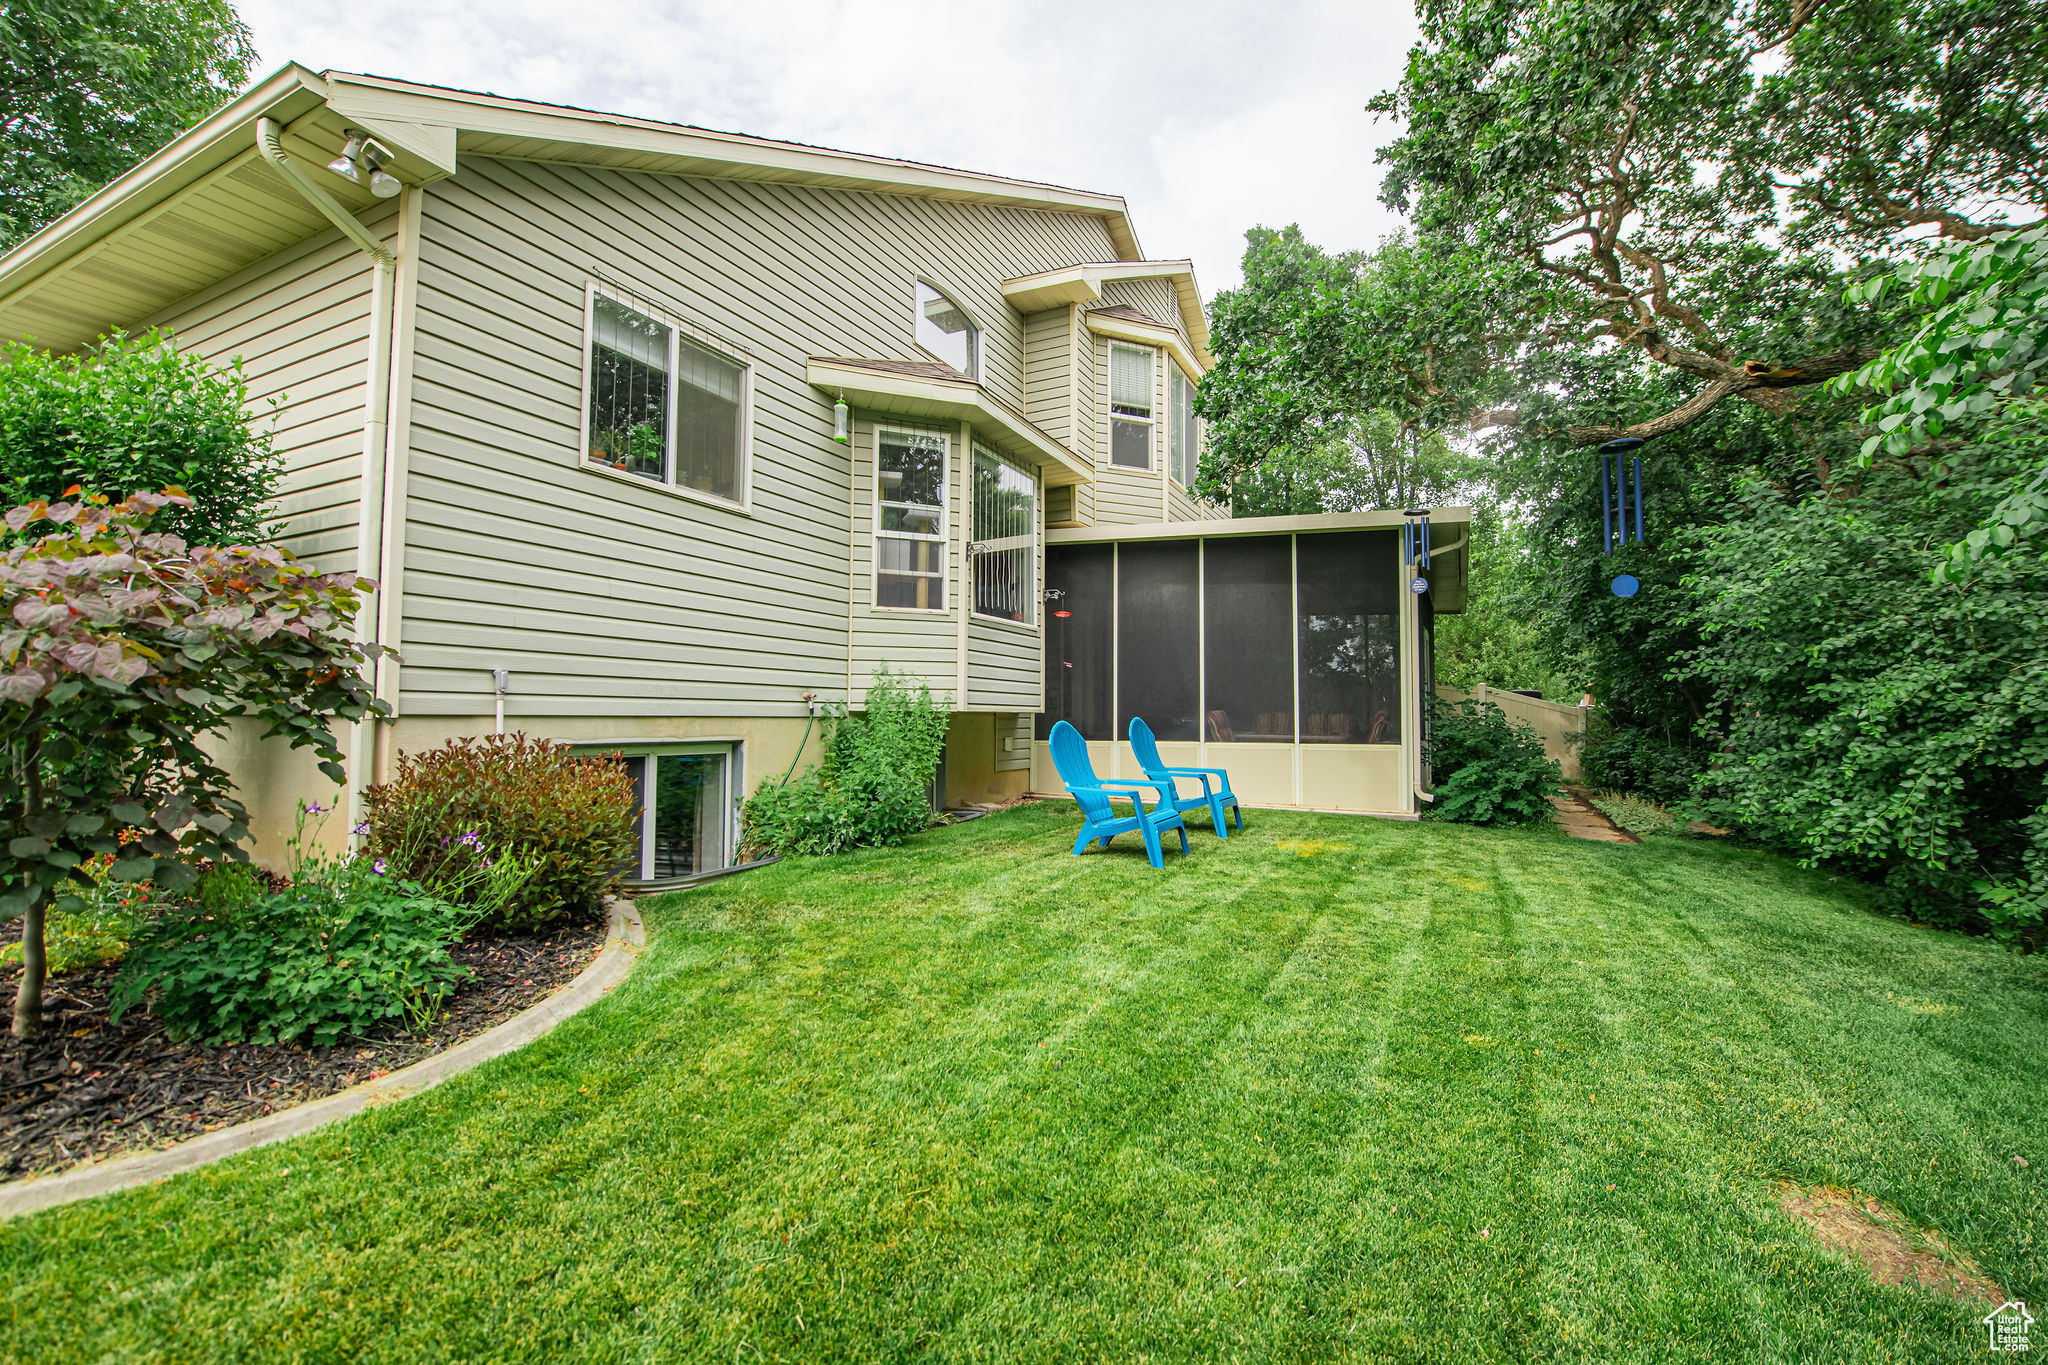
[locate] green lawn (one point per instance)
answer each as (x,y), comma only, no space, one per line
(1339,1089)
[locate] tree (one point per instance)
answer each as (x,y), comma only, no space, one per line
(1624,170)
(1982,345)
(122,649)
(133,413)
(93,86)
(1327,393)
(1875,719)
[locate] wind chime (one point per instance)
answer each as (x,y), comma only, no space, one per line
(1415,547)
(1621,504)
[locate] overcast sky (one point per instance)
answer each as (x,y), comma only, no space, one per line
(1208,118)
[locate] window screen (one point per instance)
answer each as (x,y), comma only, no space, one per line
(1350,638)
(1158,640)
(1078,640)
(1130,406)
(943,329)
(910,519)
(710,398)
(1005,538)
(1249,629)
(629,362)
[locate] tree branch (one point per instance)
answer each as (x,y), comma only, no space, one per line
(1761,382)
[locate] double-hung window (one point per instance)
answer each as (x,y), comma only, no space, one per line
(1183,444)
(663,406)
(1005,547)
(910,519)
(1130,406)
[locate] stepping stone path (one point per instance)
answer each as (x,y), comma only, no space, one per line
(1577,817)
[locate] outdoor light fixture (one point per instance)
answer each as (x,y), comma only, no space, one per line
(842,428)
(361,163)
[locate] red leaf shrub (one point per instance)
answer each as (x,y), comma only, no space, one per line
(515,795)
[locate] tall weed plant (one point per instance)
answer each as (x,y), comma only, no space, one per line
(871,786)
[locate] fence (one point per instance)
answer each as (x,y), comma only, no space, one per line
(1563,728)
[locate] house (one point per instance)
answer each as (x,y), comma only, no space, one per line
(655,438)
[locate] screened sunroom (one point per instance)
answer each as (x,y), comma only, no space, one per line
(1292,651)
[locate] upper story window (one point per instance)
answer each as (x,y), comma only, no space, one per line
(910,519)
(663,406)
(944,329)
(1130,406)
(1183,439)
(1005,547)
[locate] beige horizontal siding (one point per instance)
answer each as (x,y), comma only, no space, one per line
(1049,371)
(299,322)
(1014,727)
(604,596)
(1155,298)
(1005,668)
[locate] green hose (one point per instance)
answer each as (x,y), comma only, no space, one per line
(799,749)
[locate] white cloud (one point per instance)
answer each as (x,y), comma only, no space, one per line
(1208,117)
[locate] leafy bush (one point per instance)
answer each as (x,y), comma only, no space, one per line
(136,414)
(1640,761)
(1887,724)
(331,957)
(1488,771)
(452,815)
(1639,817)
(870,788)
(124,649)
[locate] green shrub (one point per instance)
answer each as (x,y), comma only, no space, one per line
(452,815)
(1639,817)
(78,940)
(331,957)
(1487,771)
(1642,762)
(1885,724)
(230,889)
(135,414)
(870,788)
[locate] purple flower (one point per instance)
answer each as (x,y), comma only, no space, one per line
(314,808)
(378,867)
(362,830)
(470,838)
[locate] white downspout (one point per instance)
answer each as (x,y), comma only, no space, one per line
(376,414)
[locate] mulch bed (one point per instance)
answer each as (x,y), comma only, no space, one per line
(84,1089)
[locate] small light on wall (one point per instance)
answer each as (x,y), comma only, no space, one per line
(842,424)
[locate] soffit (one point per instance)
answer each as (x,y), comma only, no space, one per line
(202,210)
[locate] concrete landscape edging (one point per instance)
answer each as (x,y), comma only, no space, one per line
(625,937)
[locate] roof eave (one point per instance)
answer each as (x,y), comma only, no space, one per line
(226,133)
(955,400)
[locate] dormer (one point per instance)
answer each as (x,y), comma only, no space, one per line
(1113,354)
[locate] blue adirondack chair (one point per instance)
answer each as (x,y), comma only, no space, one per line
(1099,819)
(1213,798)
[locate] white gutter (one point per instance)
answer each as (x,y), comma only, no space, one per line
(370,527)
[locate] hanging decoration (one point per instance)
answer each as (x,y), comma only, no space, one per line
(1621,504)
(1415,547)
